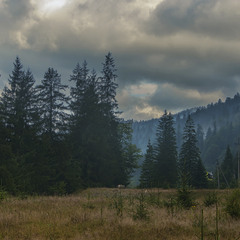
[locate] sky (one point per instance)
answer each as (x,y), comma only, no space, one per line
(170,54)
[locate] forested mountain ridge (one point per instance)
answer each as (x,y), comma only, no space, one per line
(217,125)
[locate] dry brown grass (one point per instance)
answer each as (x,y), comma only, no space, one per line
(92,215)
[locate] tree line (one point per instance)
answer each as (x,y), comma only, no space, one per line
(163,166)
(56,143)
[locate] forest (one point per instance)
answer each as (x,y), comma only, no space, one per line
(217,131)
(58,139)
(57,143)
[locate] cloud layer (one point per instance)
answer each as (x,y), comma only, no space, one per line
(170,54)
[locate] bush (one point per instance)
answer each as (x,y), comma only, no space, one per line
(3,195)
(210,199)
(185,198)
(118,204)
(141,212)
(233,204)
(58,189)
(171,205)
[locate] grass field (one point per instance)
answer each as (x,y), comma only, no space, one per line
(116,214)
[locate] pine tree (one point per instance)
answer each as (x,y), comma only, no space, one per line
(200,137)
(80,78)
(53,104)
(108,86)
(227,168)
(147,171)
(191,170)
(112,158)
(17,104)
(130,153)
(49,178)
(7,161)
(19,115)
(166,152)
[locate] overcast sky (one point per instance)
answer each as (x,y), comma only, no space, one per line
(170,54)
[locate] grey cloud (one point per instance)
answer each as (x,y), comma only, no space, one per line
(191,45)
(19,9)
(216,18)
(175,99)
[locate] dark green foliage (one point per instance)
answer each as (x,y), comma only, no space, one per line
(146,177)
(100,142)
(19,117)
(118,204)
(185,198)
(141,212)
(166,152)
(171,204)
(52,102)
(210,199)
(200,137)
(227,173)
(200,175)
(46,151)
(233,204)
(191,168)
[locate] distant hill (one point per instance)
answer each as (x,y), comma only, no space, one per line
(217,125)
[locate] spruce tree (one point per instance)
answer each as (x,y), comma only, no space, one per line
(53,104)
(18,104)
(112,166)
(80,78)
(49,175)
(166,152)
(227,168)
(19,115)
(108,86)
(147,171)
(191,170)
(200,137)
(130,153)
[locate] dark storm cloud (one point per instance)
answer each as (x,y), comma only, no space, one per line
(215,18)
(188,48)
(174,99)
(18,9)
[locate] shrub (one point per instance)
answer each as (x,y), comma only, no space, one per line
(171,205)
(58,188)
(118,203)
(210,199)
(185,198)
(233,204)
(141,212)
(3,194)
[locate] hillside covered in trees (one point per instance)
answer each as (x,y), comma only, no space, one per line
(217,126)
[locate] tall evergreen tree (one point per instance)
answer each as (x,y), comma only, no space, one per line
(166,152)
(227,169)
(19,114)
(49,177)
(200,137)
(108,86)
(80,78)
(53,103)
(147,171)
(17,104)
(191,170)
(130,153)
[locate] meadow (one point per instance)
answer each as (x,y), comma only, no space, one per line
(114,214)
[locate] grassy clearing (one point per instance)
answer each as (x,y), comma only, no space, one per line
(115,214)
